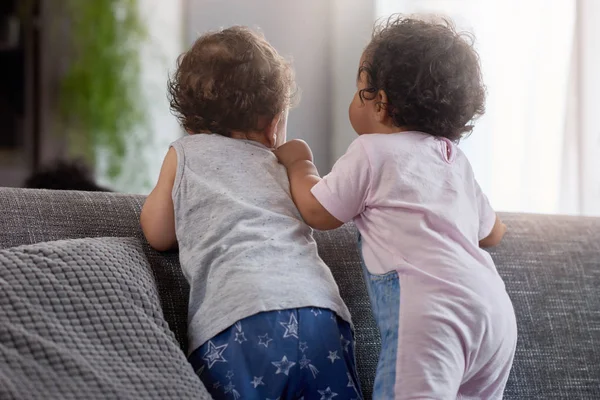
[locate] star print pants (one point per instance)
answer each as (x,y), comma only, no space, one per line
(305,353)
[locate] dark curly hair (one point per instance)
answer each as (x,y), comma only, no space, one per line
(230,80)
(430,74)
(65,175)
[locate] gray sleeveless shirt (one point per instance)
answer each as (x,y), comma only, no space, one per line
(243,246)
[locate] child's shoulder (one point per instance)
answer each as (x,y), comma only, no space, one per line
(381,144)
(399,139)
(210,145)
(200,137)
(408,148)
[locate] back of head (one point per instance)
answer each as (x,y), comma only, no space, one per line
(430,74)
(230,80)
(64,175)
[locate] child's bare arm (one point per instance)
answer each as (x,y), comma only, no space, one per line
(495,237)
(158,215)
(296,156)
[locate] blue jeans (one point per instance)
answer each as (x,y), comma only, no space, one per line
(384,292)
(290,354)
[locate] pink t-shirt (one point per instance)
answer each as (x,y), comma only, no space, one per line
(415,202)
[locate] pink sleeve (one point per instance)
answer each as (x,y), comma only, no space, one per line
(343,192)
(487,215)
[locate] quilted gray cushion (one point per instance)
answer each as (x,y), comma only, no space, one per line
(32,216)
(82,319)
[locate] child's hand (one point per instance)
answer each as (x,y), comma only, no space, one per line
(495,237)
(293,151)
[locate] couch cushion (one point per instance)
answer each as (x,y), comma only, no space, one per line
(33,216)
(551,267)
(84,317)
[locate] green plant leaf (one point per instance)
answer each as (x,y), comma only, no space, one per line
(101,97)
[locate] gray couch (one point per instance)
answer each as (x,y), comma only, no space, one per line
(551,266)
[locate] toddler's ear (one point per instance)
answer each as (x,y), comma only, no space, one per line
(271,133)
(282,128)
(276,131)
(381,101)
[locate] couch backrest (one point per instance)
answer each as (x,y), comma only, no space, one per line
(551,266)
(33,216)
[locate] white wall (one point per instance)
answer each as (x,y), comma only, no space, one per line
(352,24)
(589,99)
(297,29)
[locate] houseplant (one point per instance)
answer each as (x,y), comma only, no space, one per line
(100,98)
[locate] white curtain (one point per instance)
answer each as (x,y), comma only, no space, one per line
(536,148)
(586,107)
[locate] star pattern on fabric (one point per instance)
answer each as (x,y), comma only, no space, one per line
(316,311)
(229,375)
(333,356)
(291,327)
(327,394)
(214,354)
(305,363)
(240,337)
(283,366)
(257,381)
(303,346)
(230,389)
(352,385)
(216,385)
(350,381)
(264,340)
(200,370)
(345,343)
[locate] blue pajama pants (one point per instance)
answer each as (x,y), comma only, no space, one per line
(305,353)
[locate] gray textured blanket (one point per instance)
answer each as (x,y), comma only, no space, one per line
(82,319)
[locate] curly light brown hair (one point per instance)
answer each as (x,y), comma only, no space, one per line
(430,74)
(230,80)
